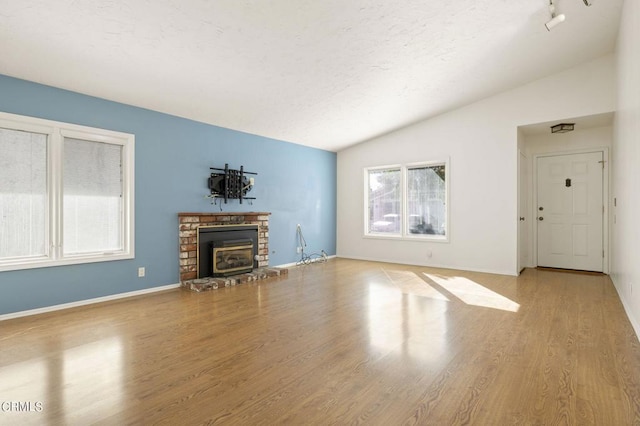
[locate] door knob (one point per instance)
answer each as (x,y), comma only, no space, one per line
(541,218)
(521,218)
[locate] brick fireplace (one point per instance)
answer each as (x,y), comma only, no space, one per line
(189,224)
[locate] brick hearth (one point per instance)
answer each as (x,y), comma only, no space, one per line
(188,232)
(210,283)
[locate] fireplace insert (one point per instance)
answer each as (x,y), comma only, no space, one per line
(231,257)
(228,237)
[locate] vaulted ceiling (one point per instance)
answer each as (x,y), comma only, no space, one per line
(326,74)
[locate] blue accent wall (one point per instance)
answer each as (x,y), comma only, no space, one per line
(297,184)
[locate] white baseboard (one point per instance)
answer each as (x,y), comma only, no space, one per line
(632,320)
(86,302)
(627,309)
(442,266)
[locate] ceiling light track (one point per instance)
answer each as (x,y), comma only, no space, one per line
(558,18)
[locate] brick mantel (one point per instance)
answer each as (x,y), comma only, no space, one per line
(188,234)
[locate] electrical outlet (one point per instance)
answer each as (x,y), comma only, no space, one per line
(141,272)
(298,250)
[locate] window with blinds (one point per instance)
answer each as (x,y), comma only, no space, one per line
(66,193)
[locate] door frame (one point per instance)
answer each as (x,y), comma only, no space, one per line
(605,200)
(524,174)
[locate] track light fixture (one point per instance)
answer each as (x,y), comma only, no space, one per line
(555,18)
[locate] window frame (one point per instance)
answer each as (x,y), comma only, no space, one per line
(367,171)
(56,133)
(404,233)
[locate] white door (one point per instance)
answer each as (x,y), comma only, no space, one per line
(570,211)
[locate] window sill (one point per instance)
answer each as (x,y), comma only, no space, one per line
(419,238)
(18,265)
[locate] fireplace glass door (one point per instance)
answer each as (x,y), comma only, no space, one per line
(232,257)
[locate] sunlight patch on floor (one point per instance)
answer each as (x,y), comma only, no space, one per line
(410,283)
(472,293)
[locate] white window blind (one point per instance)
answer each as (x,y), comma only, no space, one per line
(23,194)
(92,188)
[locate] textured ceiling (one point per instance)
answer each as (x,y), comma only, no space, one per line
(326,74)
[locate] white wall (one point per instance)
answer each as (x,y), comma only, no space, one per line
(481,142)
(625,266)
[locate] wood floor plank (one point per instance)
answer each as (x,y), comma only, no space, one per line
(342,342)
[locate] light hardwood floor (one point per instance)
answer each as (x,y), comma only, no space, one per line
(346,342)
